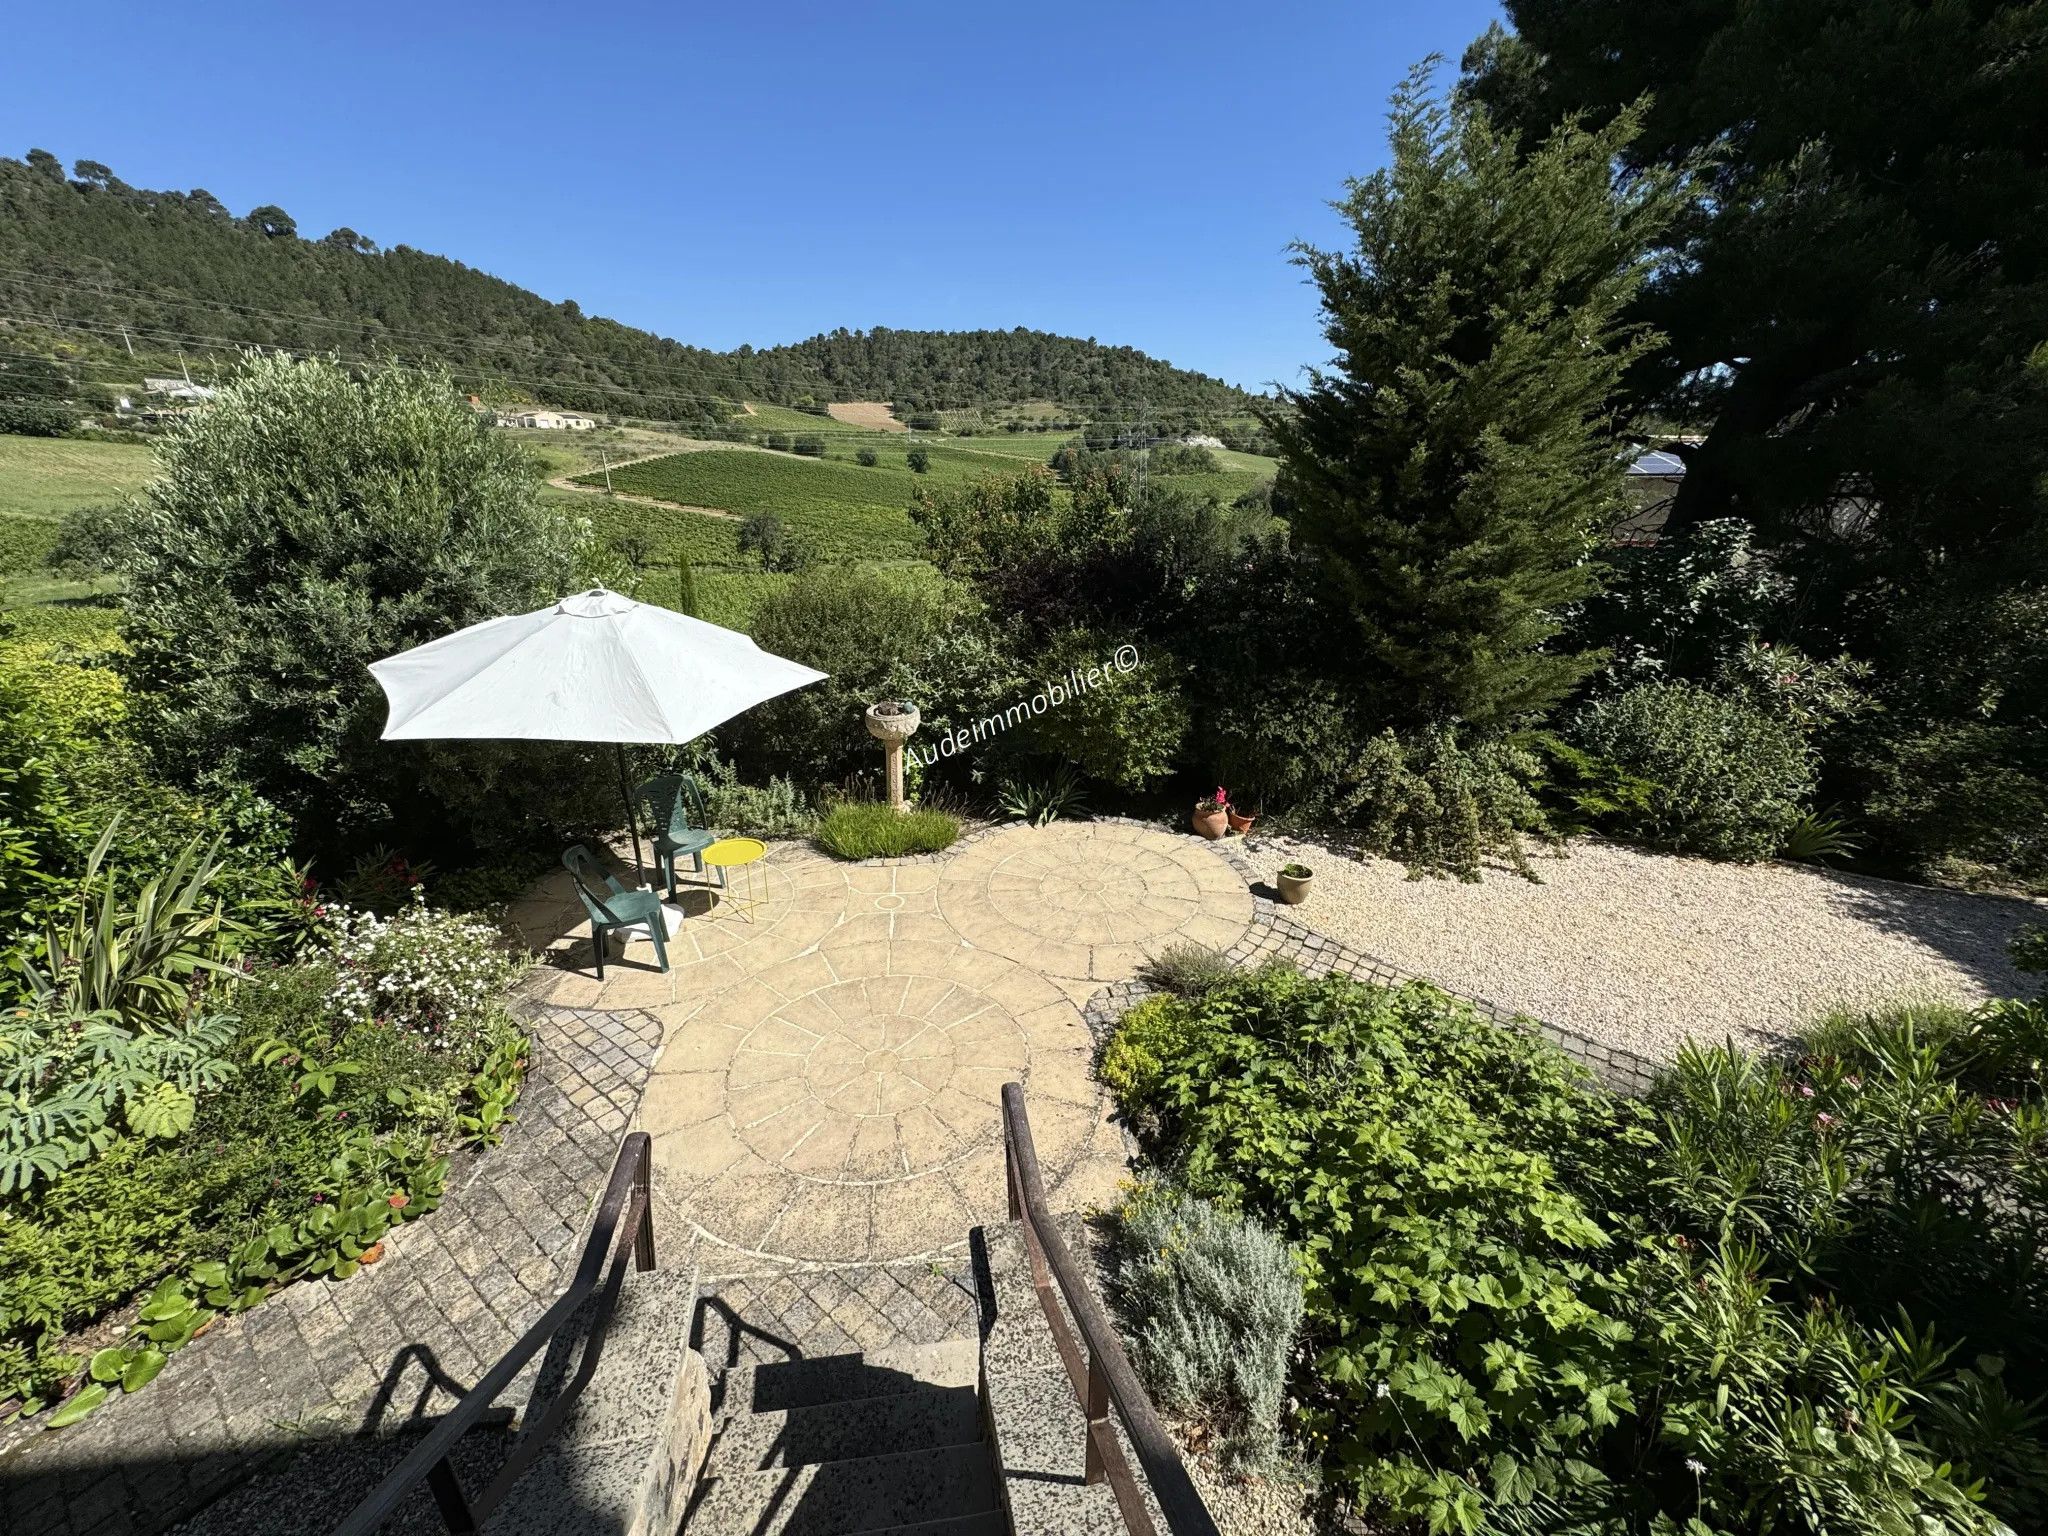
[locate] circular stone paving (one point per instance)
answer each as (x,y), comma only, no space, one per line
(1091,900)
(856,1083)
(845,1105)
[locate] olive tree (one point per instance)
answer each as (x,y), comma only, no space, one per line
(307,524)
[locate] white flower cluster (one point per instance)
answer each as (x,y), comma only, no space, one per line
(432,974)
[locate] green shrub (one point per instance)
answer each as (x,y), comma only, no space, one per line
(809,444)
(1404,1146)
(303,526)
(920,462)
(775,809)
(1212,1302)
(854,623)
(1127,729)
(1439,807)
(1532,1307)
(866,830)
(1872,1184)
(25,544)
(1966,803)
(1732,780)
(1149,1039)
(1041,799)
(1187,969)
(867,458)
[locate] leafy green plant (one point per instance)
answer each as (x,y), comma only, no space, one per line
(1058,796)
(62,1077)
(1442,807)
(775,809)
(1128,729)
(309,1074)
(138,960)
(1816,838)
(1469,1350)
(383,881)
(1731,779)
(870,830)
(493,1091)
(1212,1301)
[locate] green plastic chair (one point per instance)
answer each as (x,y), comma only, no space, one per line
(612,907)
(674,808)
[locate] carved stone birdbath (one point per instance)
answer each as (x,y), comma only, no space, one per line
(892,722)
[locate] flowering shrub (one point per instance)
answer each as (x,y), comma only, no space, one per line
(431,974)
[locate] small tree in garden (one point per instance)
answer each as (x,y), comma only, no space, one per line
(306,525)
(1454,470)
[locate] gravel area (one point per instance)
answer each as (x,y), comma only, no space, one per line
(1642,950)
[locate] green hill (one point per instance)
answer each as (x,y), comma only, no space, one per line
(114,281)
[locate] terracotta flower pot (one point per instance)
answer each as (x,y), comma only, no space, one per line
(1210,821)
(1241,824)
(1294,888)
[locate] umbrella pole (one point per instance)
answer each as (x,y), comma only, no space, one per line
(632,817)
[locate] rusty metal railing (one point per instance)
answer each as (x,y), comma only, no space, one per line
(1103,1378)
(624,1230)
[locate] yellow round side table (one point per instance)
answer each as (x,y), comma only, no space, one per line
(745,855)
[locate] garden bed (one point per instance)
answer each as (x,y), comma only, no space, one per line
(1643,951)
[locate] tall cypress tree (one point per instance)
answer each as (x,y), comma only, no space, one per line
(1456,468)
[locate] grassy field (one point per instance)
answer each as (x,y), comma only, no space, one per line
(42,479)
(843,511)
(46,477)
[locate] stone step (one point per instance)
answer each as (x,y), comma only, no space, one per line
(922,1490)
(766,1386)
(920,1420)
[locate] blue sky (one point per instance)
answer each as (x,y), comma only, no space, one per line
(733,173)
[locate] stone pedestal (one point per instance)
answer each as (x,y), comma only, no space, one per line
(893,722)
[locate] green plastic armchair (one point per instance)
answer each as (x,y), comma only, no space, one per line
(611,906)
(674,808)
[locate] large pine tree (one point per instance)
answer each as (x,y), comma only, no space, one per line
(1457,466)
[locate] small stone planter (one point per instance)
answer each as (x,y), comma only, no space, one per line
(1294,881)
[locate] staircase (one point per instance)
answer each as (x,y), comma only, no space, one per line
(885,1442)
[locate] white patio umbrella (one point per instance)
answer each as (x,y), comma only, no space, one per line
(594,667)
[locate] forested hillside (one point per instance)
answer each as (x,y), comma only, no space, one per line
(105,275)
(952,370)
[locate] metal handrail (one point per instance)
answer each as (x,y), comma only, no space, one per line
(624,1228)
(1106,1376)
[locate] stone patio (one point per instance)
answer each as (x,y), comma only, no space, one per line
(829,1082)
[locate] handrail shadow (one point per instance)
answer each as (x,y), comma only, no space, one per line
(623,1230)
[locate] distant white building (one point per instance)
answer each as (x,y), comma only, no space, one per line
(177,389)
(540,416)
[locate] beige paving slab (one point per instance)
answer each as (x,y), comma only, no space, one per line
(1089,902)
(831,1078)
